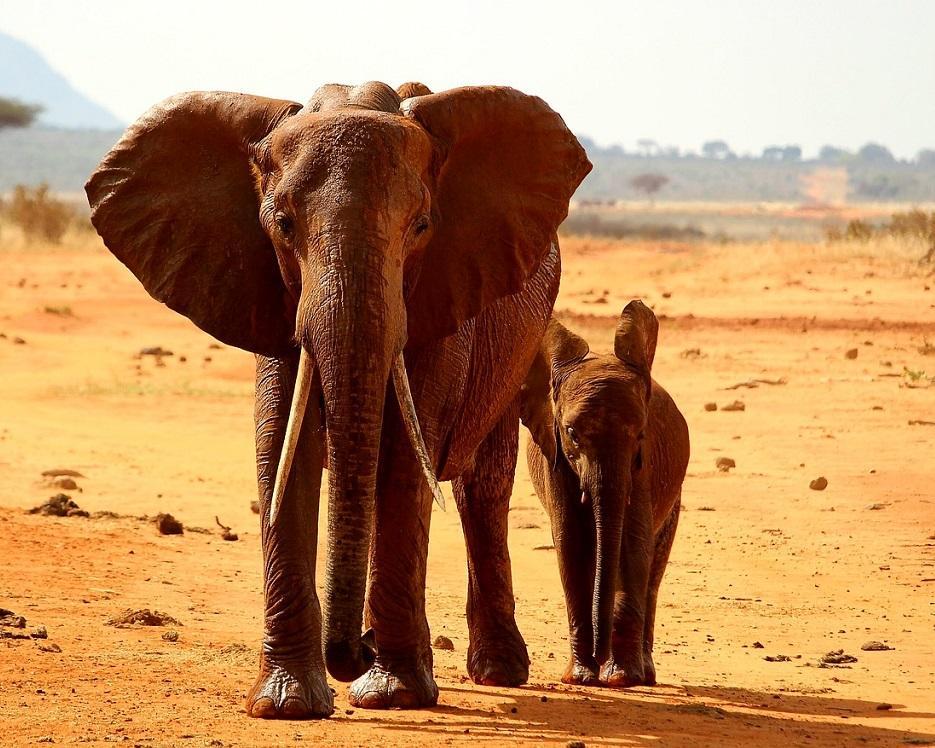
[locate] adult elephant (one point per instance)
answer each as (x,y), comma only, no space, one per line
(371,236)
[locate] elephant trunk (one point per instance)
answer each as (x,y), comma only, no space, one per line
(607,501)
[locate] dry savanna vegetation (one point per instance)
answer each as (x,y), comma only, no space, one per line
(797,607)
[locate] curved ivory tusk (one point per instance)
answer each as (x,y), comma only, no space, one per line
(408,410)
(303,385)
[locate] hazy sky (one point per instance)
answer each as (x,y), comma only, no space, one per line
(750,72)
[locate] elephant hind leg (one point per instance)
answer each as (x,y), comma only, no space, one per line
(497,654)
(660,560)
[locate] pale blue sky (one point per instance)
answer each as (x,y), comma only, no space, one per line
(749,71)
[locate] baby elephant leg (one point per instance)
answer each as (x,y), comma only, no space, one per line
(660,559)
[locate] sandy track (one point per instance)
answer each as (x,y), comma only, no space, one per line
(759,556)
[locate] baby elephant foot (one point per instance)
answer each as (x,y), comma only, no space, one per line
(580,673)
(289,692)
(649,668)
(499,661)
(395,686)
(624,673)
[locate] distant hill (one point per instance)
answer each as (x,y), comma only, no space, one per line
(25,75)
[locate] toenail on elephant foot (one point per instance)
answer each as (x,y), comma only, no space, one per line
(283,692)
(399,688)
(623,675)
(499,665)
(581,674)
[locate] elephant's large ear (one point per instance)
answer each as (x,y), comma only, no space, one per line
(510,166)
(559,352)
(635,339)
(175,200)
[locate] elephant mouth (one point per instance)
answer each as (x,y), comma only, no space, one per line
(300,398)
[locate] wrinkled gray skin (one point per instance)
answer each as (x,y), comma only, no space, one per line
(607,457)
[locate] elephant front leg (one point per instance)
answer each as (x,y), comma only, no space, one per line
(627,665)
(497,654)
(401,675)
(291,683)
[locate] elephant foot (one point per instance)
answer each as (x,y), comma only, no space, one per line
(289,692)
(396,686)
(623,674)
(499,661)
(581,674)
(649,668)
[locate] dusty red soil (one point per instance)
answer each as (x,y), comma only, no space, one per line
(760,558)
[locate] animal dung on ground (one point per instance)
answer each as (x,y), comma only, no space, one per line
(851,353)
(168,525)
(59,472)
(156,350)
(65,483)
(778,658)
(226,532)
(171,636)
(724,464)
(875,646)
(837,657)
(819,484)
(59,505)
(735,406)
(443,642)
(710,407)
(142,617)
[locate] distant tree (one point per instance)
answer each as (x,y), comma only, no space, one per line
(15,113)
(792,153)
(716,149)
(649,184)
(878,187)
(772,153)
(671,151)
(876,154)
(647,146)
(926,157)
(832,153)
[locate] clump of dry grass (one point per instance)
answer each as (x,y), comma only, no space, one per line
(33,216)
(912,231)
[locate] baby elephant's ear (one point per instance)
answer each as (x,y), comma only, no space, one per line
(562,349)
(635,341)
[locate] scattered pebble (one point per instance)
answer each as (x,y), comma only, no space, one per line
(65,483)
(758,645)
(852,353)
(156,350)
(255,507)
(710,407)
(48,647)
(168,525)
(39,632)
(819,484)
(737,405)
(443,642)
(876,507)
(57,472)
(171,636)
(778,658)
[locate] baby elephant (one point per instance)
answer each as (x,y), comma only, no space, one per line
(607,457)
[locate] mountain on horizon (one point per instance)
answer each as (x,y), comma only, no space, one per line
(25,75)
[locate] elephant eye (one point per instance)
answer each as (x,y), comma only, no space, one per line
(283,223)
(572,434)
(421,225)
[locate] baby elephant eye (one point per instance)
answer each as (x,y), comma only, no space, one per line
(283,223)
(572,434)
(421,225)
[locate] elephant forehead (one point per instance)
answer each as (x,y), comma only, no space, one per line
(600,392)
(351,139)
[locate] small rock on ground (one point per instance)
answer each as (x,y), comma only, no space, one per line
(837,657)
(875,646)
(59,505)
(737,405)
(710,407)
(724,464)
(852,353)
(443,642)
(171,636)
(819,484)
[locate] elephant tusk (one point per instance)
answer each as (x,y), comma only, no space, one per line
(408,410)
(303,386)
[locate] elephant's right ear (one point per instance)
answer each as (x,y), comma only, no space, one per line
(564,351)
(176,201)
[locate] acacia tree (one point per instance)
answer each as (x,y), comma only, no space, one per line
(649,184)
(15,113)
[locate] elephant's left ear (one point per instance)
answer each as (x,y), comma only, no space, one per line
(635,339)
(510,167)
